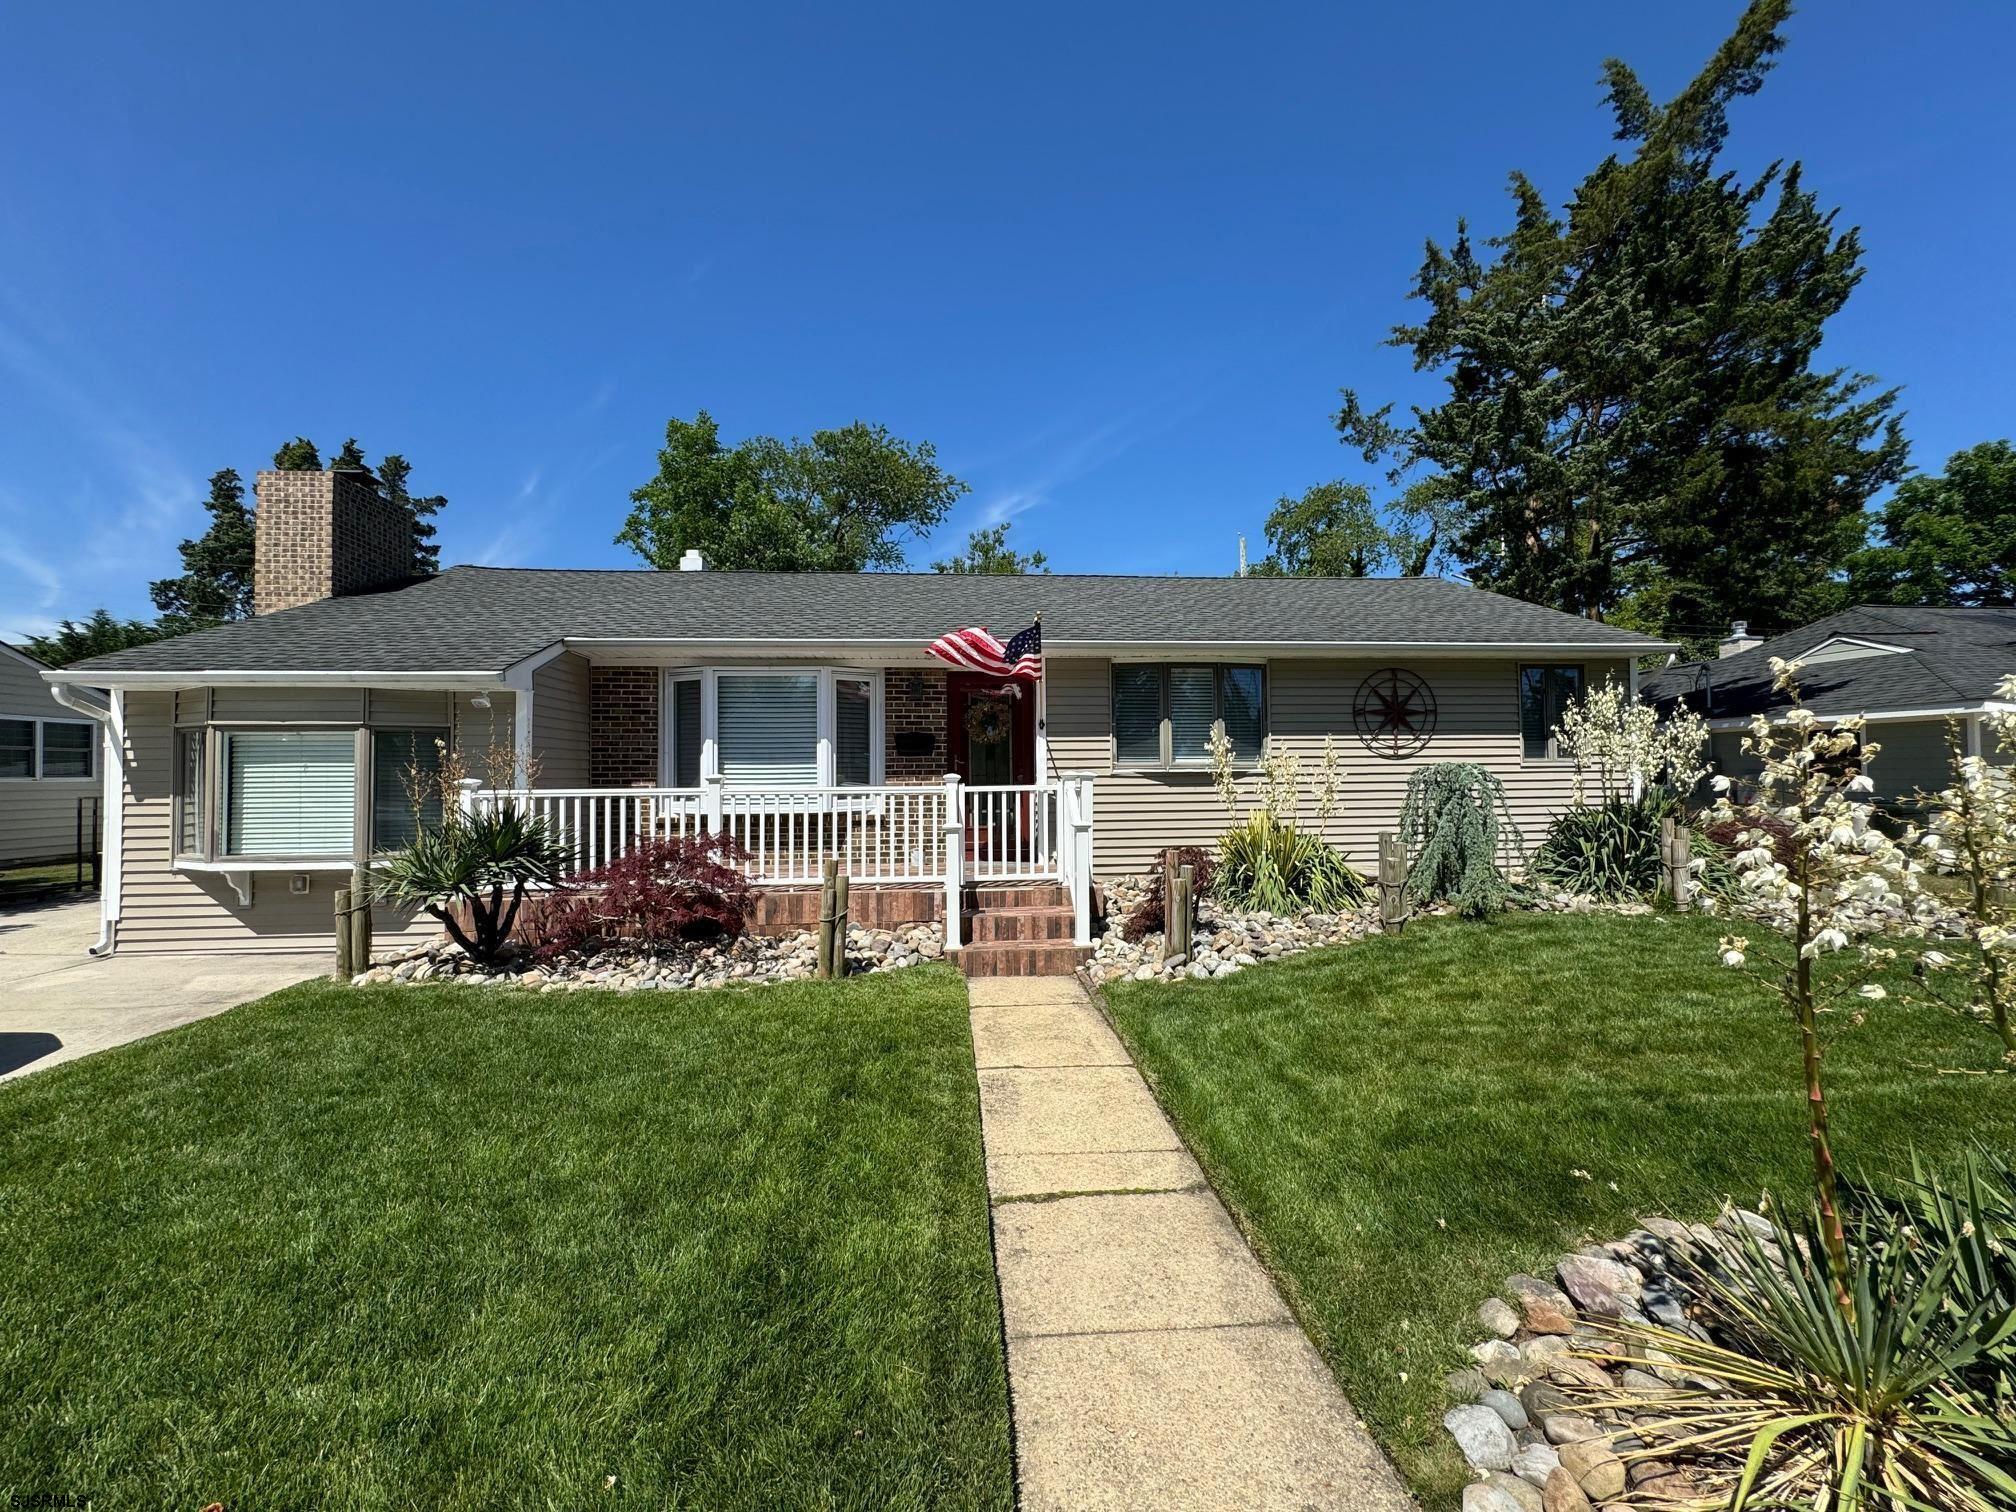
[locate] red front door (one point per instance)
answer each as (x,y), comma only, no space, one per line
(993,729)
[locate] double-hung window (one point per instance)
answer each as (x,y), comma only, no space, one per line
(49,749)
(1163,713)
(289,793)
(1544,696)
(771,728)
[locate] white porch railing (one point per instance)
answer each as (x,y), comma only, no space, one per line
(950,834)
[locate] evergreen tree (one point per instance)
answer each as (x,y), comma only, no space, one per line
(393,471)
(988,552)
(98,635)
(298,455)
(216,581)
(841,502)
(1949,539)
(1633,426)
(349,459)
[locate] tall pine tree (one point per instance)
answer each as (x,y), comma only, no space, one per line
(216,580)
(1633,426)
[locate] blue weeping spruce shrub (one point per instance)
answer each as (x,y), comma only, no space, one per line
(1452,824)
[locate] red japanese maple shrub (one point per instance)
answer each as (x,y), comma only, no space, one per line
(665,892)
(1151,915)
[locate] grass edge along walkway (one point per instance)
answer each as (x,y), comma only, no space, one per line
(1399,1124)
(464,1248)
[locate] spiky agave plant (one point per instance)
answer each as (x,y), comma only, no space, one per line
(1805,1404)
(485,862)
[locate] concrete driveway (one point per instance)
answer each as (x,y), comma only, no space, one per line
(56,1003)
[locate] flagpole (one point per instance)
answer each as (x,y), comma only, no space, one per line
(1042,716)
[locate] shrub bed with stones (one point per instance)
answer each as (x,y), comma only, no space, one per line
(1547,1417)
(750,959)
(1225,940)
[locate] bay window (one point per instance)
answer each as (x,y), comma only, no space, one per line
(771,727)
(1163,713)
(289,792)
(405,785)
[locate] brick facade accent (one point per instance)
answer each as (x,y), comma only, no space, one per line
(914,704)
(319,535)
(623,727)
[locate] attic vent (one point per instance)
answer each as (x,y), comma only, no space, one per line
(692,561)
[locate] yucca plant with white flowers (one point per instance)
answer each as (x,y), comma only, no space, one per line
(1971,832)
(1841,867)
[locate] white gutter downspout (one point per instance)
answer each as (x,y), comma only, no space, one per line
(111,718)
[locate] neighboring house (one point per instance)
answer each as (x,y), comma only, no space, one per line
(1909,670)
(48,767)
(799,711)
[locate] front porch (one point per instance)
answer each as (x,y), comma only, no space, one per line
(972,846)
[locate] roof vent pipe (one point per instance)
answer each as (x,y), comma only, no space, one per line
(692,561)
(1739,639)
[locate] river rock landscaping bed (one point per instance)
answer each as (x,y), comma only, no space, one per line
(1226,940)
(750,959)
(1537,1419)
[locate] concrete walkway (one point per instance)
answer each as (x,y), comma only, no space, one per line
(57,1004)
(1151,1362)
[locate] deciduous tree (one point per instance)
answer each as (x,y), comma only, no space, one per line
(988,552)
(843,501)
(1946,539)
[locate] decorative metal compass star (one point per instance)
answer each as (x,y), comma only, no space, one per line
(1394,713)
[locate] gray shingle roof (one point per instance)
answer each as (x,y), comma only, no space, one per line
(485,618)
(1951,657)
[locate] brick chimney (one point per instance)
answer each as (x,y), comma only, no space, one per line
(324,534)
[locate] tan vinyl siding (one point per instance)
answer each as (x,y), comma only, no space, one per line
(287,705)
(401,708)
(165,910)
(1477,702)
(560,721)
(38,816)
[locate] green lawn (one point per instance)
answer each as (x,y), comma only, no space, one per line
(21,884)
(449,1247)
(1399,1124)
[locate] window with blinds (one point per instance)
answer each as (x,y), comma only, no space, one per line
(188,792)
(1137,715)
(767,728)
(1544,696)
(290,792)
(1163,715)
(686,733)
(405,786)
(17,748)
(852,698)
(67,745)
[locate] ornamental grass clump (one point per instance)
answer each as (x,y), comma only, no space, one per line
(1453,822)
(1870,1385)
(1267,863)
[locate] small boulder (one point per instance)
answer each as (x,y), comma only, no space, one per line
(1506,1406)
(1561,1493)
(1481,1434)
(1541,1400)
(1495,1315)
(1544,1308)
(1533,1463)
(1573,1370)
(1599,1284)
(1499,1492)
(1542,1350)
(1568,1428)
(1466,1385)
(1596,1468)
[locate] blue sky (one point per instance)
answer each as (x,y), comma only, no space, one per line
(1114,261)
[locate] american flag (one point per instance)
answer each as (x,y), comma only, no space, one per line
(977,651)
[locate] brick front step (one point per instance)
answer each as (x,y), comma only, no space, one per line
(1000,925)
(980,898)
(1016,958)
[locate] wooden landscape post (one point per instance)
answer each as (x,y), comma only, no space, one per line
(345,967)
(827,888)
(1177,908)
(360,918)
(1392,882)
(1676,854)
(840,925)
